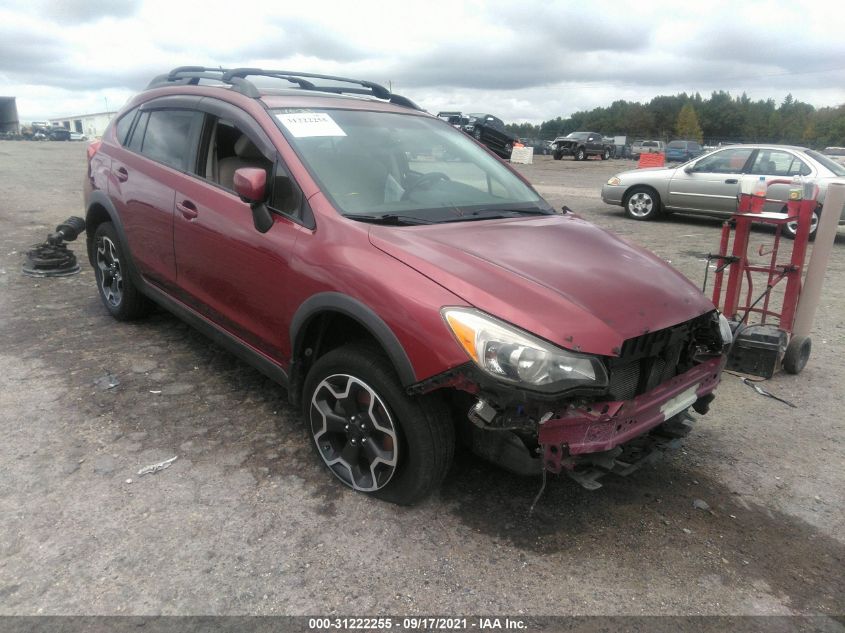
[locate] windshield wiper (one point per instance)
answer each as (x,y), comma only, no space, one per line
(392,219)
(494,214)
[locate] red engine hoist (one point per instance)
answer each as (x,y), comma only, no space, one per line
(762,347)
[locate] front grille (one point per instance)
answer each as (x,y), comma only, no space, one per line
(623,381)
(651,359)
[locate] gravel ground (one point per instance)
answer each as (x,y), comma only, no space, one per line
(245,521)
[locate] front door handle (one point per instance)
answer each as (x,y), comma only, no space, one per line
(731,181)
(122,174)
(187,209)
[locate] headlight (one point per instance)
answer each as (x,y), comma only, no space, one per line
(513,355)
(614,181)
(725,330)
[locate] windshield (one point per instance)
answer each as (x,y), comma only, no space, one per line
(373,164)
(824,161)
(579,135)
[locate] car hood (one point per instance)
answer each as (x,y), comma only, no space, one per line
(558,277)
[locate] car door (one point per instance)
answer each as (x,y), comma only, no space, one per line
(143,180)
(227,270)
(594,144)
(711,184)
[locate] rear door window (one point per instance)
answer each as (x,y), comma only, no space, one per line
(137,138)
(167,138)
(778,163)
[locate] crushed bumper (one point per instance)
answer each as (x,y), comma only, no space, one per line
(603,426)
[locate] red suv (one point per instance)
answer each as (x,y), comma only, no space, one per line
(405,285)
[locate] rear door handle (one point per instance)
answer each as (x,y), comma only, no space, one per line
(731,181)
(122,174)
(187,209)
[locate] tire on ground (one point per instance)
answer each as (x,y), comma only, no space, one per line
(131,304)
(642,203)
(423,424)
(797,354)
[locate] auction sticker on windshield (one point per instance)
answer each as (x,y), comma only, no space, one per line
(303,124)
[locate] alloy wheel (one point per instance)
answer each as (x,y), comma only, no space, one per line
(111,275)
(354,432)
(640,205)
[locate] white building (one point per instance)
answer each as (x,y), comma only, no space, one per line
(91,125)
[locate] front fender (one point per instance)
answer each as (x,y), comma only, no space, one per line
(363,314)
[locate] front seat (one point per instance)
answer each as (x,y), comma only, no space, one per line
(246,155)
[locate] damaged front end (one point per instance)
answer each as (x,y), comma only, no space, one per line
(597,414)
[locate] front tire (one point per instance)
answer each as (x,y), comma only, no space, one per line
(118,293)
(557,155)
(642,203)
(580,154)
(369,433)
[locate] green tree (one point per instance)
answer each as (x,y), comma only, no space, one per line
(721,117)
(687,125)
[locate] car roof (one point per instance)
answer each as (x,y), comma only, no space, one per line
(795,148)
(310,89)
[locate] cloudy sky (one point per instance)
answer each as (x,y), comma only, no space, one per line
(526,60)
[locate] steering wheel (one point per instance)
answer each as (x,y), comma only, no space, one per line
(426,179)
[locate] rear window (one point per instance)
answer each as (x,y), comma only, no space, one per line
(824,161)
(677,145)
(124,124)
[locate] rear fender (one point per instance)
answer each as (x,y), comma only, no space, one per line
(96,200)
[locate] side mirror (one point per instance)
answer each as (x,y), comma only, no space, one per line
(251,185)
(689,168)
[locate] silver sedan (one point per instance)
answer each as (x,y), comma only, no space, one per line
(709,184)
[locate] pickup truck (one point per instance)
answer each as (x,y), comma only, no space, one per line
(647,147)
(581,145)
(484,128)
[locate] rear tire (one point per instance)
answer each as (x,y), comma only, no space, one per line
(369,433)
(118,293)
(605,154)
(642,203)
(790,230)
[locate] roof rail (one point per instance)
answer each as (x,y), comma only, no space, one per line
(237,78)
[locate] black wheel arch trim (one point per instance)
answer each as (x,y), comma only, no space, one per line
(99,198)
(324,302)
